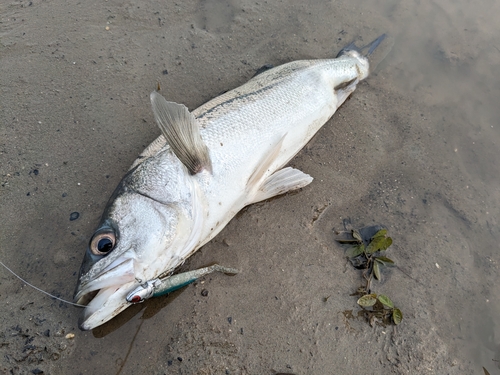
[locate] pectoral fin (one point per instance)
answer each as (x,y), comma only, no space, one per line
(258,175)
(182,133)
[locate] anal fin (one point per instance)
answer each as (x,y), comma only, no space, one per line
(280,182)
(262,186)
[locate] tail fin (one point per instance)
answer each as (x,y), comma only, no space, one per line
(370,46)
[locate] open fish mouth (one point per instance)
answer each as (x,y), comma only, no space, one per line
(106,304)
(105,294)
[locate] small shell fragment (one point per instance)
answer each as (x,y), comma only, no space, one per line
(70,336)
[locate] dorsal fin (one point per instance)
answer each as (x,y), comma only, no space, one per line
(182,133)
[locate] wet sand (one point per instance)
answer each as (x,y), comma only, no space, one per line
(414,149)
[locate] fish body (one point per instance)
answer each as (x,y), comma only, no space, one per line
(205,167)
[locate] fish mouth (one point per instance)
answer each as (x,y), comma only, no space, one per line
(105,294)
(106,304)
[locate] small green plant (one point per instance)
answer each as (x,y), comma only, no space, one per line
(382,309)
(365,249)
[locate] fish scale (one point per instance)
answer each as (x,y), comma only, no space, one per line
(296,105)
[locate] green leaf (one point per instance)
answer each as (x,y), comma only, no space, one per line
(354,251)
(378,243)
(385,300)
(380,233)
(345,237)
(374,245)
(368,300)
(384,260)
(397,316)
(376,270)
(386,243)
(348,241)
(357,235)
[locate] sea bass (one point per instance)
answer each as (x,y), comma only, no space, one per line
(205,167)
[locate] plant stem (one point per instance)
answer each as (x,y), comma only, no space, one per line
(369,271)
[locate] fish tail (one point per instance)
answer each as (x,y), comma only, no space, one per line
(370,47)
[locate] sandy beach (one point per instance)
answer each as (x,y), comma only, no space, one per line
(414,149)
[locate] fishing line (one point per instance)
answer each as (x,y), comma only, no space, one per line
(40,290)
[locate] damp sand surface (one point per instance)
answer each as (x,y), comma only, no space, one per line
(415,149)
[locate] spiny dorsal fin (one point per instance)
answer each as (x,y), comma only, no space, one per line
(182,133)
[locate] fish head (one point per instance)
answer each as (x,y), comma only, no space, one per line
(153,221)
(138,239)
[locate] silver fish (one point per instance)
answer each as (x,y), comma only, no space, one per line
(204,168)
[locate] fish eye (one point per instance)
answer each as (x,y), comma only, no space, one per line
(102,243)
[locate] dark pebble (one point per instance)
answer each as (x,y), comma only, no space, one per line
(47,333)
(165,72)
(35,172)
(169,363)
(37,371)
(64,195)
(28,347)
(204,292)
(179,359)
(73,216)
(230,320)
